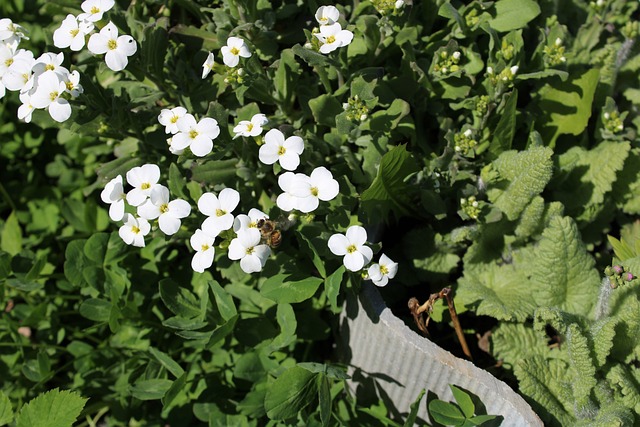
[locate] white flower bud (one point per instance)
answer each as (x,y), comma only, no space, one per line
(456,55)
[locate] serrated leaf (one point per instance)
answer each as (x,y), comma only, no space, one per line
(583,365)
(512,342)
(527,174)
(283,288)
(389,191)
(224,301)
(291,392)
(503,292)
(513,14)
(152,389)
(11,236)
(446,413)
(566,106)
(53,408)
(603,332)
(563,272)
(6,412)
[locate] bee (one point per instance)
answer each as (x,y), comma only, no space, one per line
(269,232)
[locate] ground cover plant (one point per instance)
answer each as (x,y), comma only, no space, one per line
(191,188)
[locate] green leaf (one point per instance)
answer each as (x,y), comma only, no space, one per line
(309,236)
(446,413)
(6,412)
(521,176)
(95,249)
(563,272)
(215,171)
(324,399)
(75,262)
(566,107)
(287,321)
(309,56)
(282,289)
(177,183)
(178,386)
(332,287)
(96,309)
(179,300)
(11,236)
(335,372)
(513,14)
(463,400)
(414,408)
(325,108)
(291,392)
(286,77)
(224,301)
(389,191)
(621,249)
(512,342)
(582,363)
(505,129)
(53,408)
(152,389)
(167,362)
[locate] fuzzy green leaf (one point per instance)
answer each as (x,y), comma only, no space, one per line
(6,412)
(53,408)
(513,14)
(563,272)
(502,292)
(602,334)
(325,108)
(512,342)
(521,177)
(626,390)
(530,222)
(583,364)
(291,392)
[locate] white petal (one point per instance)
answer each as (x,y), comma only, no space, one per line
(115,60)
(367,253)
(236,249)
(295,144)
(148,210)
(168,224)
(289,161)
(287,202)
(208,204)
(307,204)
(268,153)
(116,210)
(179,208)
(357,235)
(338,244)
(202,260)
(250,264)
(354,261)
(374,272)
(229,199)
(201,146)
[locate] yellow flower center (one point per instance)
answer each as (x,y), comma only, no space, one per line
(384,270)
(249,127)
(204,247)
(220,212)
(193,134)
(249,251)
(174,119)
(8,62)
(53,96)
(314,191)
(234,51)
(351,249)
(164,208)
(145,186)
(95,10)
(281,150)
(69,86)
(331,39)
(135,229)
(112,44)
(74,32)
(49,67)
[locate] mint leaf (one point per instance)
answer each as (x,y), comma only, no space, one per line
(54,408)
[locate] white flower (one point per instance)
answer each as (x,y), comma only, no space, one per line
(320,185)
(218,209)
(114,195)
(327,15)
(47,95)
(235,48)
(287,181)
(514,70)
(10,33)
(332,37)
(71,33)
(26,109)
(202,243)
(72,82)
(252,127)
(383,271)
(143,179)
(169,119)
(352,246)
(208,65)
(399,4)
(198,136)
(134,230)
(243,222)
(50,62)
(276,148)
(247,248)
(169,213)
(117,49)
(94,9)
(15,69)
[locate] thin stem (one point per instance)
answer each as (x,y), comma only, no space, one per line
(456,322)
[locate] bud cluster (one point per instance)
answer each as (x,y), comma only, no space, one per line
(464,142)
(619,276)
(612,122)
(386,7)
(356,109)
(482,105)
(505,76)
(447,63)
(631,30)
(470,207)
(554,54)
(235,75)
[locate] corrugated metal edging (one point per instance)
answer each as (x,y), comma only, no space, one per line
(402,363)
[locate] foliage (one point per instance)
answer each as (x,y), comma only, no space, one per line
(492,146)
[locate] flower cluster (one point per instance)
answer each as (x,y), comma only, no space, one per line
(619,276)
(356,109)
(303,193)
(151,201)
(464,144)
(351,246)
(231,54)
(554,54)
(446,63)
(73,31)
(505,76)
(187,132)
(470,208)
(613,122)
(330,34)
(251,127)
